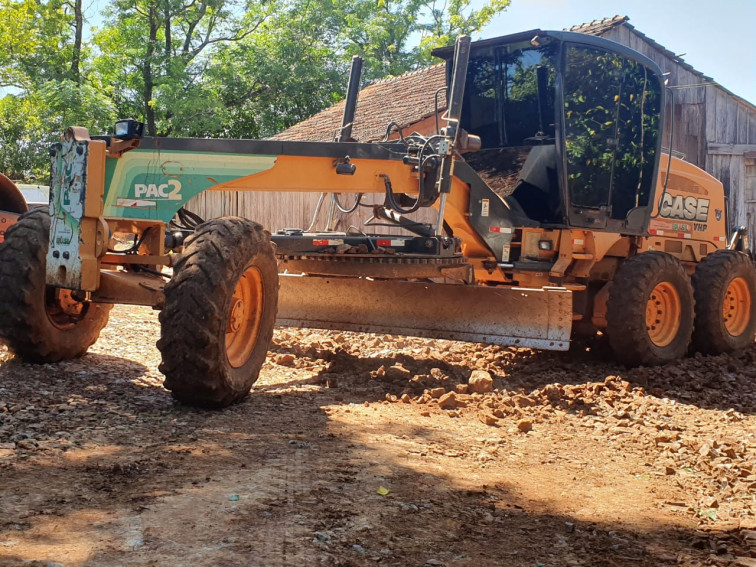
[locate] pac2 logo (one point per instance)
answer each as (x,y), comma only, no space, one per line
(684,208)
(170,191)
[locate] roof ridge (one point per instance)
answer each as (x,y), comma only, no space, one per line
(405,74)
(609,21)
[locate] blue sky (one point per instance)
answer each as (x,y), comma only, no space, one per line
(718,38)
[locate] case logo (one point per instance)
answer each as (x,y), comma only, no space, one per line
(684,208)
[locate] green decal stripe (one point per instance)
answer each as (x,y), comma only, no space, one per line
(171,178)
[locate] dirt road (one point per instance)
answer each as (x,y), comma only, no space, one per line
(364,450)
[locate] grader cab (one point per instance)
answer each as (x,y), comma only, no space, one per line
(556,213)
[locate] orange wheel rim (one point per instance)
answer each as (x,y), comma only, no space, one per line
(736,307)
(63,311)
(663,313)
(244,316)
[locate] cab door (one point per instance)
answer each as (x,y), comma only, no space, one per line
(612,116)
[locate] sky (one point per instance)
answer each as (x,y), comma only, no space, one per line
(716,37)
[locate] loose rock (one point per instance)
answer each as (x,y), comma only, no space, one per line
(480,382)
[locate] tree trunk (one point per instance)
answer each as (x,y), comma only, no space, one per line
(78,34)
(149,84)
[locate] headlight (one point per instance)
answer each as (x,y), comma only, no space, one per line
(128,129)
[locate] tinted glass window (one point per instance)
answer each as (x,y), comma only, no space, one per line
(501,102)
(515,121)
(611,116)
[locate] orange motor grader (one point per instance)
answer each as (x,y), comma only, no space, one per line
(12,204)
(556,214)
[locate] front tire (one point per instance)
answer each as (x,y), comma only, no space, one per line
(725,291)
(41,323)
(220,310)
(650,310)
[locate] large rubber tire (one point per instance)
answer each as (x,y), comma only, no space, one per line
(220,309)
(41,323)
(650,310)
(725,289)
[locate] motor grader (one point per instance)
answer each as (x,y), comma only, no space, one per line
(556,213)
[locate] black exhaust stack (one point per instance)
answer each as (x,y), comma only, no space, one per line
(353,90)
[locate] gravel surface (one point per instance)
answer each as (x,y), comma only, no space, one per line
(375,449)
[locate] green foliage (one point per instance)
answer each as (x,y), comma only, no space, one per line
(455,18)
(21,133)
(43,95)
(34,42)
(30,123)
(241,68)
(272,79)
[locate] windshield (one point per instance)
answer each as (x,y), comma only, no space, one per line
(514,118)
(501,103)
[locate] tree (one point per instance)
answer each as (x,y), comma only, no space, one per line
(454,18)
(34,43)
(157,52)
(47,85)
(296,63)
(245,68)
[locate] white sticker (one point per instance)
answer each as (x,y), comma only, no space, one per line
(135,203)
(484,207)
(505,254)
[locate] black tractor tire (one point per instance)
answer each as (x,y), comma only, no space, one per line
(724,284)
(650,310)
(41,323)
(219,314)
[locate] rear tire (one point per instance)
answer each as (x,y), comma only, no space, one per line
(220,310)
(41,323)
(725,291)
(650,310)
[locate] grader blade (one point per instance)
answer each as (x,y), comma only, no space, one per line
(538,318)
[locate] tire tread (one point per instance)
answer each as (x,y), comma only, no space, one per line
(626,309)
(24,325)
(192,341)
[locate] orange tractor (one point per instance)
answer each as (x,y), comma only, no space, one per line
(12,204)
(557,214)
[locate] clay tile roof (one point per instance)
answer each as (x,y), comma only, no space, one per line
(405,99)
(599,27)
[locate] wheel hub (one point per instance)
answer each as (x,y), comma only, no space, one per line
(663,314)
(63,310)
(736,307)
(244,316)
(236,315)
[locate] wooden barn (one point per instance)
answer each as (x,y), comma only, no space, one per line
(711,127)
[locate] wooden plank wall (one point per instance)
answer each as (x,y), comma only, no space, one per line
(277,211)
(273,210)
(731,122)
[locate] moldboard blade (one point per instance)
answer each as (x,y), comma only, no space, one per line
(537,318)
